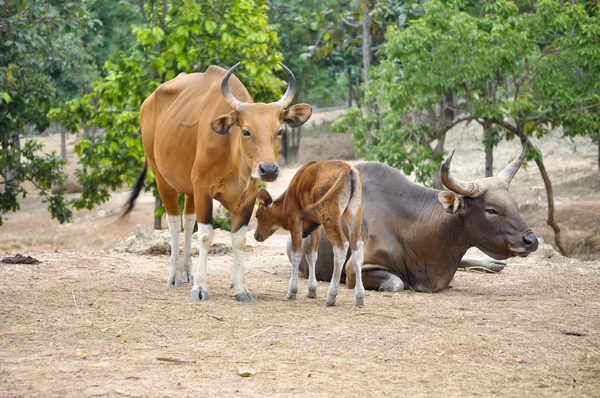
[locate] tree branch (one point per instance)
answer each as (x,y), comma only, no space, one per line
(352,24)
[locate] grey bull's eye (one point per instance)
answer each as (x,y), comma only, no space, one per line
(491,211)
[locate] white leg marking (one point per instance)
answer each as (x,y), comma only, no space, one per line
(238,242)
(188,227)
(339,257)
(357,259)
(205,238)
(311,258)
(293,285)
(174,223)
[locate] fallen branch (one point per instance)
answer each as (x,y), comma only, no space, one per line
(381,315)
(176,360)
(259,333)
(573,333)
(80,313)
(218,318)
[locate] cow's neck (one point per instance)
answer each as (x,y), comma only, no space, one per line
(278,213)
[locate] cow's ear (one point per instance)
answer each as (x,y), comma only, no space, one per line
(451,201)
(264,197)
(223,124)
(297,115)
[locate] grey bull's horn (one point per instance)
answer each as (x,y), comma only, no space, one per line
(471,189)
(511,170)
(287,98)
(231,100)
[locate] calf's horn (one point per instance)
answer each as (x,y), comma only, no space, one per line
(287,98)
(231,100)
(471,189)
(511,170)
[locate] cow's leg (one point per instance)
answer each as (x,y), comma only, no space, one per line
(312,252)
(296,234)
(487,264)
(336,236)
(239,228)
(203,207)
(376,277)
(189,219)
(168,196)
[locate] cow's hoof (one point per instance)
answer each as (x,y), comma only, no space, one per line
(244,297)
(199,295)
(359,301)
(330,301)
(290,296)
(312,294)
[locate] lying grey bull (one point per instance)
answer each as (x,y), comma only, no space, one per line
(416,237)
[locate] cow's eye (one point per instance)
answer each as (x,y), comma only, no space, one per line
(245,133)
(279,133)
(491,211)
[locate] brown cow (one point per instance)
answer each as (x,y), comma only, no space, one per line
(323,193)
(416,237)
(205,137)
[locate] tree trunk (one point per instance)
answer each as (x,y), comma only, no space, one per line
(63,144)
(157,220)
(366,47)
(489,149)
(550,195)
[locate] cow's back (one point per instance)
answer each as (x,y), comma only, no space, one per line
(175,121)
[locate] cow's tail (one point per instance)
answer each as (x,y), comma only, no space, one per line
(135,192)
(338,183)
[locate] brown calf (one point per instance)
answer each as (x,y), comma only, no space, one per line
(321,193)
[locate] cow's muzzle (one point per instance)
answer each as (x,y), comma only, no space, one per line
(268,171)
(530,242)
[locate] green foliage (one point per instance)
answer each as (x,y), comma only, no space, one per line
(524,67)
(42,62)
(188,37)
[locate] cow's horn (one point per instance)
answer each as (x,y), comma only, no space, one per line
(287,98)
(231,100)
(511,170)
(471,189)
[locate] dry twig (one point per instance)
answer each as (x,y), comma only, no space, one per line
(80,313)
(213,316)
(176,360)
(573,333)
(259,333)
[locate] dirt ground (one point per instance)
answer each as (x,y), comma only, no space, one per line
(87,321)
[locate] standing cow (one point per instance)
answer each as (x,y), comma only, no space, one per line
(205,137)
(415,237)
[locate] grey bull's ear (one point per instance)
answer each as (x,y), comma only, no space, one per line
(222,125)
(297,115)
(451,201)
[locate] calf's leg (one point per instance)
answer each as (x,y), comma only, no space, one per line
(296,234)
(311,257)
(340,249)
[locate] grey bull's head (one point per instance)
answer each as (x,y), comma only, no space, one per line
(492,222)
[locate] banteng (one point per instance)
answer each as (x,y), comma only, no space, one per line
(323,193)
(205,137)
(416,237)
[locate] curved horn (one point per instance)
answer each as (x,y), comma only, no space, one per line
(471,189)
(231,100)
(511,170)
(287,98)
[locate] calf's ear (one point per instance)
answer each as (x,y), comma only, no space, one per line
(222,124)
(264,197)
(451,201)
(297,115)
